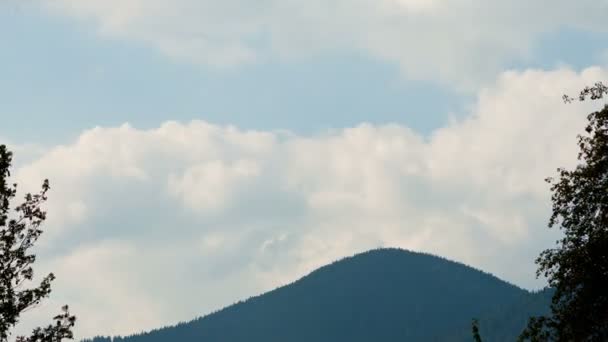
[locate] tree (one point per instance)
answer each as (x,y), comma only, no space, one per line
(578,267)
(475,330)
(19,230)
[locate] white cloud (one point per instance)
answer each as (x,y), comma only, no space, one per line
(185,218)
(209,185)
(451,41)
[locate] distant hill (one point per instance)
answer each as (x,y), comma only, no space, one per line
(380,295)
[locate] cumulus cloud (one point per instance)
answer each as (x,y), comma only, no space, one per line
(450,41)
(149,227)
(209,185)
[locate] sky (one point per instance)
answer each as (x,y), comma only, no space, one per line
(201,152)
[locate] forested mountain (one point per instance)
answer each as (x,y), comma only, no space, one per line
(380,295)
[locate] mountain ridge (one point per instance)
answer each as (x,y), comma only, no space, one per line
(386,294)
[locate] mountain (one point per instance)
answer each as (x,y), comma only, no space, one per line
(380,295)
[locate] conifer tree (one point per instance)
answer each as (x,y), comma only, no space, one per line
(475,329)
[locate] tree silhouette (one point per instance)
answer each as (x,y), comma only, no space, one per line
(19,230)
(475,330)
(578,267)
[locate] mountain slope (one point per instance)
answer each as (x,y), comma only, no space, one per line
(380,295)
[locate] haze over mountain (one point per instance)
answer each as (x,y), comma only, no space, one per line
(380,295)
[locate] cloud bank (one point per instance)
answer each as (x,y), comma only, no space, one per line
(150,227)
(450,41)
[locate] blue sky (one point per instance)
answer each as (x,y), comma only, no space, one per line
(243,146)
(106,81)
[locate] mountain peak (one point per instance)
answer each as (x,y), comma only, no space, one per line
(386,294)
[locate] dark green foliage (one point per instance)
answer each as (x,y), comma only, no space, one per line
(578,267)
(382,295)
(475,330)
(98,339)
(18,233)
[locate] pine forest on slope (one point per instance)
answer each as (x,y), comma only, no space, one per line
(380,295)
